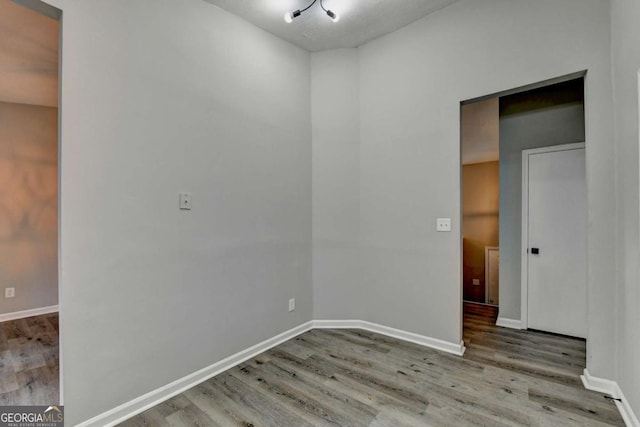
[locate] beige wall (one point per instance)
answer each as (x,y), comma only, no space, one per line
(28,158)
(480,224)
(28,206)
(480,131)
(28,56)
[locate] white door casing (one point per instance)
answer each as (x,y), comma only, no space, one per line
(554,220)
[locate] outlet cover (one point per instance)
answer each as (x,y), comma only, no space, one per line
(292,304)
(443,224)
(9,292)
(185,201)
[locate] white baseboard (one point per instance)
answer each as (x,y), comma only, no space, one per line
(146,401)
(151,399)
(600,385)
(629,417)
(28,313)
(612,389)
(446,346)
(509,323)
(337,324)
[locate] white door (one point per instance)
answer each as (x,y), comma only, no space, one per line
(556,253)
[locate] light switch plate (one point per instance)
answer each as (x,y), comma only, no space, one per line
(185,201)
(443,224)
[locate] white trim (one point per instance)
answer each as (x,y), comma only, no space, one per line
(629,417)
(611,388)
(598,384)
(337,324)
(524,241)
(140,404)
(446,346)
(488,249)
(509,323)
(28,313)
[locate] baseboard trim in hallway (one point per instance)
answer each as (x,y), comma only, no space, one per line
(611,388)
(28,313)
(598,384)
(140,404)
(509,323)
(625,409)
(449,347)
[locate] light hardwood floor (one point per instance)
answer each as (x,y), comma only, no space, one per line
(29,361)
(358,378)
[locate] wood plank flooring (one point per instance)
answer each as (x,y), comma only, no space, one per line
(359,378)
(29,361)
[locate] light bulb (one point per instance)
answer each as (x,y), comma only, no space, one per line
(334,16)
(288,17)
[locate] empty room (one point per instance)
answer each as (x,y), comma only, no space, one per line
(29,355)
(261,214)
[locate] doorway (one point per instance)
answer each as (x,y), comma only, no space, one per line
(480,202)
(546,114)
(29,207)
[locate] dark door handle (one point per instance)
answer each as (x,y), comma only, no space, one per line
(535,251)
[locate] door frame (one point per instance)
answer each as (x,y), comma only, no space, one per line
(524,242)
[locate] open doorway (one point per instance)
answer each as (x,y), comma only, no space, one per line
(29,153)
(480,202)
(480,167)
(495,132)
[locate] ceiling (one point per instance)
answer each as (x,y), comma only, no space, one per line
(360,21)
(481,131)
(28,56)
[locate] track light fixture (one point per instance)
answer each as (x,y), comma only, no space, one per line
(290,16)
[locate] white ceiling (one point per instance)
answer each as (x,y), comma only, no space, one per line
(481,131)
(28,56)
(360,21)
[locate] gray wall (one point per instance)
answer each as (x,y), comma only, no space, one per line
(411,85)
(625,16)
(161,97)
(337,292)
(552,124)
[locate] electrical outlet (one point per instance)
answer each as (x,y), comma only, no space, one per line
(443,224)
(9,292)
(292,304)
(476,282)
